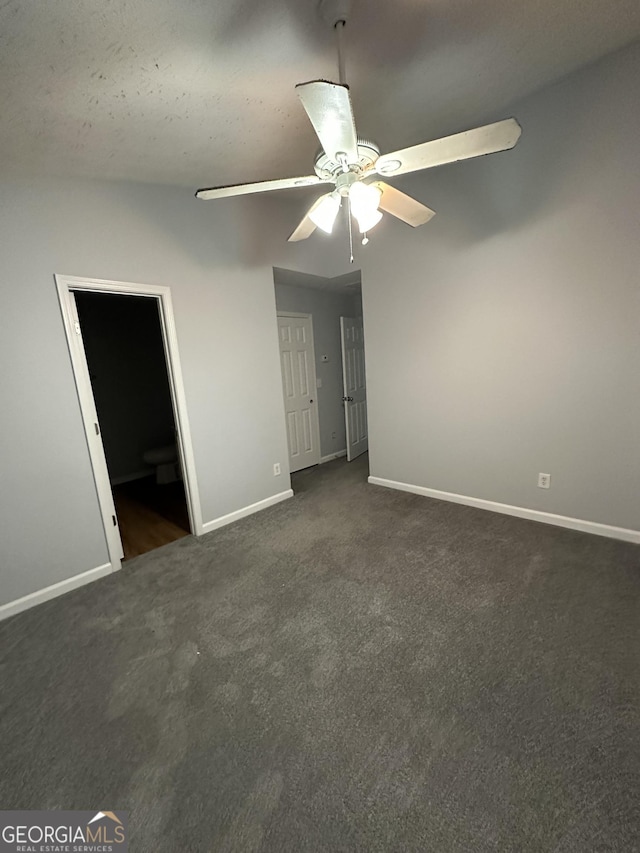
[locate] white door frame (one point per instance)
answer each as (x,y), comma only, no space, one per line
(316,407)
(66,284)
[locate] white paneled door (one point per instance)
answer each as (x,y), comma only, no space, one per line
(354,385)
(298,365)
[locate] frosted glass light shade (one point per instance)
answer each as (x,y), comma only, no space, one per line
(365,199)
(367,220)
(325,213)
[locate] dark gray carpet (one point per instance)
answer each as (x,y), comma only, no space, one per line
(353,670)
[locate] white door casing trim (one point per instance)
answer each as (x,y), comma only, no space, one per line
(594,527)
(66,285)
(11,608)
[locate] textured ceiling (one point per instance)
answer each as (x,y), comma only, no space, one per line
(202,92)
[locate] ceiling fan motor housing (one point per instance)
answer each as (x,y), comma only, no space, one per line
(328,169)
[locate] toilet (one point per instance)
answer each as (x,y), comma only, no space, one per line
(165,461)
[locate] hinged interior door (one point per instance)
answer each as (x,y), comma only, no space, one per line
(297,361)
(354,386)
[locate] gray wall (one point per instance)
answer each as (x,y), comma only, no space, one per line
(326,308)
(502,338)
(218,261)
(125,354)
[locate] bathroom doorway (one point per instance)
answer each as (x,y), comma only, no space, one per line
(130,392)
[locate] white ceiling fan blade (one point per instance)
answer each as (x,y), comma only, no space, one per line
(307,226)
(328,106)
(402,206)
(305,229)
(499,136)
(259,187)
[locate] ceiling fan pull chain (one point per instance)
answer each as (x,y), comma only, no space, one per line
(350,230)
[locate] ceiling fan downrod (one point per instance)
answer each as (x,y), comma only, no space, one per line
(336,14)
(342,74)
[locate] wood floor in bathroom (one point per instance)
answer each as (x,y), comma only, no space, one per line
(149,515)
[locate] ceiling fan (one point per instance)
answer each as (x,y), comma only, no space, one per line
(354,165)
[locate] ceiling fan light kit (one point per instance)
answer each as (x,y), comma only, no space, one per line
(364,201)
(323,215)
(354,165)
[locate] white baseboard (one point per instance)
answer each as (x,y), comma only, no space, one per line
(53,591)
(333,456)
(623,533)
(246,510)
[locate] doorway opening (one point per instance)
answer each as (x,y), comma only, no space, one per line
(321,340)
(128,373)
(126,365)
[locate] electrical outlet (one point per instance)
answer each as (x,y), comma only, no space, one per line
(276,469)
(544,481)
(333,435)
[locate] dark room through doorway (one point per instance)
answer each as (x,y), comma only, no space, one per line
(125,352)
